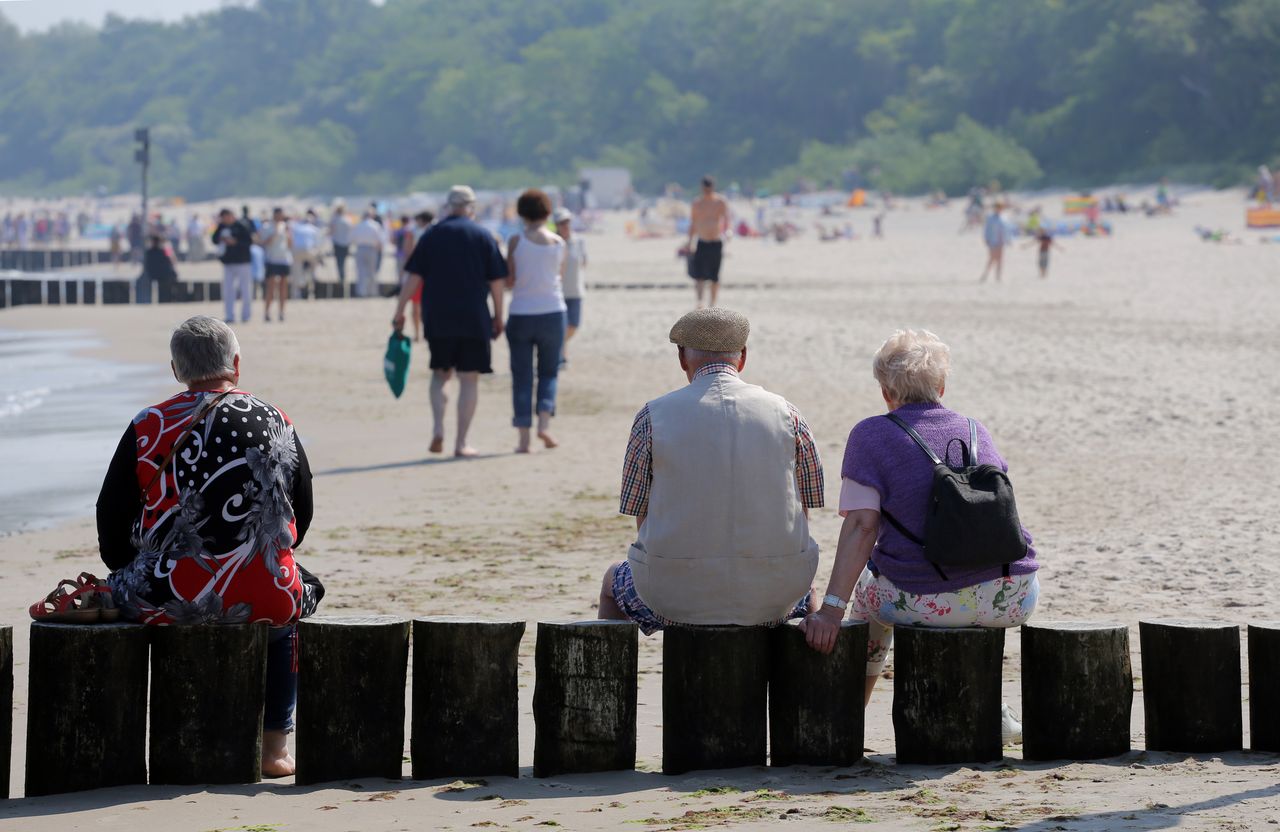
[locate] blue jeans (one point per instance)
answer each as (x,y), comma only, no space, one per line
(524,332)
(282,679)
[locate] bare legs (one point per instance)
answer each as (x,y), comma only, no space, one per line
(608,609)
(439,401)
(699,286)
(995,257)
(277,287)
(468,398)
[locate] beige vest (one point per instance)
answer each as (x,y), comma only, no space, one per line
(726,540)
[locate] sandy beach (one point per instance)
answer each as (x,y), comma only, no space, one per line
(1132,393)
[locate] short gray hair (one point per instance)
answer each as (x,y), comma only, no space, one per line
(701,358)
(912,366)
(203,348)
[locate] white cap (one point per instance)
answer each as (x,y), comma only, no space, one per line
(562,215)
(460,195)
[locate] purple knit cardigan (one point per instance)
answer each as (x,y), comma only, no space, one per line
(881,455)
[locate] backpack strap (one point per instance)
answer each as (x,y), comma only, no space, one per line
(893,417)
(903,530)
(973,443)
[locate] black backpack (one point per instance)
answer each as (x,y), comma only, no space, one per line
(972,521)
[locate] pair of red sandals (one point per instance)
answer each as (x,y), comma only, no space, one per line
(85,600)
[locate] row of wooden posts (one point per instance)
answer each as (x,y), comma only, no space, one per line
(109,291)
(732,696)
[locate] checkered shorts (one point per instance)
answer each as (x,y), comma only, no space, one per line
(628,601)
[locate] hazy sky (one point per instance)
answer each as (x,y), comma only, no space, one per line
(40,14)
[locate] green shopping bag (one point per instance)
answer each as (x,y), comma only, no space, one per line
(395,365)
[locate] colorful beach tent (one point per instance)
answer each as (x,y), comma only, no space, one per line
(1078,204)
(857,199)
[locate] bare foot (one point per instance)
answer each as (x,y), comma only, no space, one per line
(547,439)
(280,767)
(522,449)
(437,444)
(466,452)
(276,759)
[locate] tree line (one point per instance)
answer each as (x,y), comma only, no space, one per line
(344,96)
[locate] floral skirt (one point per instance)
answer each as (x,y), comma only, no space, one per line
(1001,602)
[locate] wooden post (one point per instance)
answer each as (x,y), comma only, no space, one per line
(946,695)
(351,687)
(1077,691)
(6,702)
(1264,686)
(207,686)
(465,688)
(715,683)
(584,699)
(87,707)
(815,701)
(1191,685)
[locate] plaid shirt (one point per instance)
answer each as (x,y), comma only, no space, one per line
(637,468)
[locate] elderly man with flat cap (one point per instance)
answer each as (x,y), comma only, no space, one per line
(720,476)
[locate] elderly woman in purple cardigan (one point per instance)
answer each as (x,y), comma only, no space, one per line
(880,573)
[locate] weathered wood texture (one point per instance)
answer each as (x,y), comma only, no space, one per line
(87,707)
(351,693)
(1191,685)
(715,683)
(584,697)
(1077,691)
(207,688)
(815,701)
(465,720)
(6,702)
(946,694)
(1264,686)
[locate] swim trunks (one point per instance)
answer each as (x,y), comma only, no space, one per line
(705,262)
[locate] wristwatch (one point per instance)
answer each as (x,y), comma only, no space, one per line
(834,601)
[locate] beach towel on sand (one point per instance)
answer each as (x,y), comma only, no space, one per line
(396,363)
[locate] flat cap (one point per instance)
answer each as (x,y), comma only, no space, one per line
(460,195)
(712,330)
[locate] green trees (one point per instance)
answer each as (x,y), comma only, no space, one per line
(326,96)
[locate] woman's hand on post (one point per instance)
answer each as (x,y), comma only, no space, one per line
(821,628)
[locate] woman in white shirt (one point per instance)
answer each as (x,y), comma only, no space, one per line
(535,261)
(277,243)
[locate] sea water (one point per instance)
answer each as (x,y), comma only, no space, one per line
(61,417)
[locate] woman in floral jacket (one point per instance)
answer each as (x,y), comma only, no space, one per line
(205,500)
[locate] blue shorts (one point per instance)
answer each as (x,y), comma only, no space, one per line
(628,600)
(573,311)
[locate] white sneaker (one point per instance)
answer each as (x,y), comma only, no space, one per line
(1010,727)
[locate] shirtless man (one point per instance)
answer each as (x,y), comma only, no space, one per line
(708,222)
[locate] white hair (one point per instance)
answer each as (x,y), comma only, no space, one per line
(912,366)
(700,358)
(203,348)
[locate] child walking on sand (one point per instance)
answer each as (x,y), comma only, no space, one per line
(1044,240)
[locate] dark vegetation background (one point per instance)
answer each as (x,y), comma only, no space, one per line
(328,96)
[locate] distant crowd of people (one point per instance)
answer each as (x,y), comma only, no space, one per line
(41,228)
